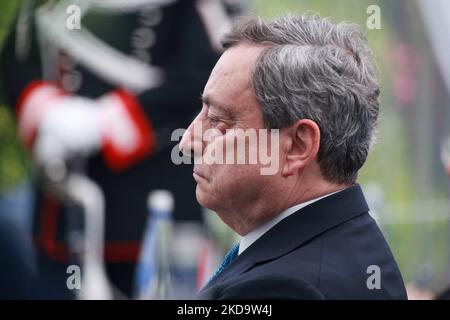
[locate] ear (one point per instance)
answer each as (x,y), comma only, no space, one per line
(304,136)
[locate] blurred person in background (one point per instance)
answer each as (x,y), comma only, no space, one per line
(112,89)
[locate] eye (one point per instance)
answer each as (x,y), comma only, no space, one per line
(213,120)
(217,123)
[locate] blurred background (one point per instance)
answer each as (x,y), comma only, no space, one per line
(405,178)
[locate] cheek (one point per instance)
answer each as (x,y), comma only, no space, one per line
(219,189)
(233,181)
(231,186)
(229,180)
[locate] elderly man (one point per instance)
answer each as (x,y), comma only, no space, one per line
(306,232)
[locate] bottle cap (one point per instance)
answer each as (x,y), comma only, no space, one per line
(161,201)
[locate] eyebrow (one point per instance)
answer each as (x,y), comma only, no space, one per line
(209,102)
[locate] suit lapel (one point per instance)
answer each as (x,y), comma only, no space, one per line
(300,227)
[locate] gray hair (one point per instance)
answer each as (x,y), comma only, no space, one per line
(314,69)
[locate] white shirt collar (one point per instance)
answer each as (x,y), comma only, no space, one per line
(255,234)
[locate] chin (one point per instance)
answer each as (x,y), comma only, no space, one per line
(201,197)
(205,199)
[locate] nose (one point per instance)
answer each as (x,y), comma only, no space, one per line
(186,142)
(191,144)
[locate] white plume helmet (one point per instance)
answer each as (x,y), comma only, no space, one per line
(90,51)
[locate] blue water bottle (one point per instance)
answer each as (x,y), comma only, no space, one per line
(153,280)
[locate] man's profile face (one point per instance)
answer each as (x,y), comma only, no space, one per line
(229,102)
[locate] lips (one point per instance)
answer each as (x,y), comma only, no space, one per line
(198,175)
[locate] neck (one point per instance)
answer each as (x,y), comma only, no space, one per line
(256,213)
(305,188)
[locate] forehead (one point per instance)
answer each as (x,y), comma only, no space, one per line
(230,82)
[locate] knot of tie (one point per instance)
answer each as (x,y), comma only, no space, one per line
(226,261)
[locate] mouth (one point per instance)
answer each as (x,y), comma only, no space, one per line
(198,176)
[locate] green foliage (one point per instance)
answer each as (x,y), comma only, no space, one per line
(8,9)
(13,163)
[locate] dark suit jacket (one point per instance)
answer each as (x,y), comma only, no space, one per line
(322,251)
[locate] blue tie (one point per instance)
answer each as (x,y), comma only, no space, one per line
(226,261)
